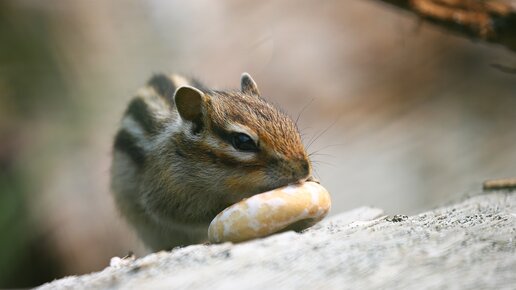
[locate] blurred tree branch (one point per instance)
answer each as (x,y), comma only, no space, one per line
(488,20)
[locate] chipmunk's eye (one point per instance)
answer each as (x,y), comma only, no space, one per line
(243,142)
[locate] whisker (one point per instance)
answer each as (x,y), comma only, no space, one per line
(332,145)
(323,163)
(316,173)
(320,154)
(323,132)
(303,109)
(303,134)
(321,149)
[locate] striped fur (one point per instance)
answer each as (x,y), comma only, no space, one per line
(141,121)
(163,85)
(127,143)
(171,176)
(140,112)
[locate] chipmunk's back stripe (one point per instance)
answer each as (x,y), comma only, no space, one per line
(125,142)
(163,85)
(141,113)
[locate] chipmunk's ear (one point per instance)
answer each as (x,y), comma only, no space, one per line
(189,102)
(248,85)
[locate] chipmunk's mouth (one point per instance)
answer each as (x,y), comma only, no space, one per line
(245,186)
(300,181)
(280,182)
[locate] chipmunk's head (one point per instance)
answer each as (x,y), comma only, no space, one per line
(239,143)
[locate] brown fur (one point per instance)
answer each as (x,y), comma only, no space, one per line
(190,174)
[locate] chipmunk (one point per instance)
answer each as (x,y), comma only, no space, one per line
(183,153)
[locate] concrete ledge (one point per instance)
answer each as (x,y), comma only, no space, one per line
(468,245)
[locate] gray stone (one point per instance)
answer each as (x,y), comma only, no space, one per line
(469,245)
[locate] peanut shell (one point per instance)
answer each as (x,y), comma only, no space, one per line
(291,207)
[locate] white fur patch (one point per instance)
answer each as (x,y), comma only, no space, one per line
(179,81)
(243,156)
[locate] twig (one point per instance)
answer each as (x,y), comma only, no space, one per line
(488,20)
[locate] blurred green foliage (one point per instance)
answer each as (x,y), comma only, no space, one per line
(24,259)
(27,69)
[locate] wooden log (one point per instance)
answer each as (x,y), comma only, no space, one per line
(469,245)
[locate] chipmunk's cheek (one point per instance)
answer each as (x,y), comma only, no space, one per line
(246,184)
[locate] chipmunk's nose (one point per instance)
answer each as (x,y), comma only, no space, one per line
(301,169)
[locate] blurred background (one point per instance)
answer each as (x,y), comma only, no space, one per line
(400,115)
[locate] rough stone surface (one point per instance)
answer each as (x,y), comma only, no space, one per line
(468,245)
